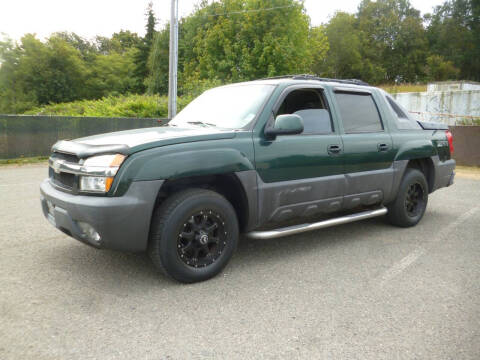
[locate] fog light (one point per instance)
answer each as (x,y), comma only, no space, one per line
(89,231)
(51,208)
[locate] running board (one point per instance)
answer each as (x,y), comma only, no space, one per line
(297,229)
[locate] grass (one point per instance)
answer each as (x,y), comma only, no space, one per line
(393,89)
(24,160)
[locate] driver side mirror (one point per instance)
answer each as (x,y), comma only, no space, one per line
(289,124)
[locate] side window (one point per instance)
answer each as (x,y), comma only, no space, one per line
(310,105)
(359,113)
(403,121)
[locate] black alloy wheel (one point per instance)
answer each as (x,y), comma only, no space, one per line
(410,204)
(193,235)
(414,199)
(202,239)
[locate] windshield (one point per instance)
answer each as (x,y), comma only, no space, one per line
(230,107)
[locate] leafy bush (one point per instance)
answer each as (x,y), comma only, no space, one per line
(139,106)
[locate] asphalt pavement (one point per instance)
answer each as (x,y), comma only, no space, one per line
(364,290)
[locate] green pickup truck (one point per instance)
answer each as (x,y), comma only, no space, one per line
(266,158)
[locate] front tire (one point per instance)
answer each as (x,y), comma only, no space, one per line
(194,233)
(410,204)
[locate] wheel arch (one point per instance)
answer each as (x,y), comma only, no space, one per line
(427,167)
(425,164)
(229,185)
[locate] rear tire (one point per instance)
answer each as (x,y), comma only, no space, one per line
(410,204)
(194,233)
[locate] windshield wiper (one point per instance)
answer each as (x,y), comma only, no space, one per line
(200,123)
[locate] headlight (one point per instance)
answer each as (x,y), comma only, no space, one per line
(102,169)
(95,183)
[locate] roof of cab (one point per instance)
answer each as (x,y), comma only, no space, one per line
(302,79)
(318,78)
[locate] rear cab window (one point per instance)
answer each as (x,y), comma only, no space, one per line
(403,120)
(359,112)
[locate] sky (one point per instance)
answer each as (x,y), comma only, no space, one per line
(88,18)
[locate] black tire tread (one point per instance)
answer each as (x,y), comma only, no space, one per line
(161,216)
(396,213)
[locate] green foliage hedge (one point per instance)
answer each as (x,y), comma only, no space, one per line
(141,106)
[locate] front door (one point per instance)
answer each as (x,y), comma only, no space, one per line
(301,175)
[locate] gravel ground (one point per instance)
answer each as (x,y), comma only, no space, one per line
(359,291)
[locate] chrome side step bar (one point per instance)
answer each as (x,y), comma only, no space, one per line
(297,229)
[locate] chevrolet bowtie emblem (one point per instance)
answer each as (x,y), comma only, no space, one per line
(56,165)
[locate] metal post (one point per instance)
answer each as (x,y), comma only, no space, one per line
(173,61)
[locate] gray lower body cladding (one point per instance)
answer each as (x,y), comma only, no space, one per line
(281,201)
(285,200)
(444,172)
(123,223)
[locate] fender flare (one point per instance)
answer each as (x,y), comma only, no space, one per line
(169,164)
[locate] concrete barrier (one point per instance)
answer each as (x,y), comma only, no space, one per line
(448,107)
(26,136)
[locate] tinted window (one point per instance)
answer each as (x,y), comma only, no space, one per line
(403,121)
(359,113)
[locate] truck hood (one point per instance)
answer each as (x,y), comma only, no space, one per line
(130,141)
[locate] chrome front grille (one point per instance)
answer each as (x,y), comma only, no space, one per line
(64,180)
(67,157)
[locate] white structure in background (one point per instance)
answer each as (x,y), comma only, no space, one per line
(448,102)
(453,86)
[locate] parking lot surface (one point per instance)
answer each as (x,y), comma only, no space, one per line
(364,290)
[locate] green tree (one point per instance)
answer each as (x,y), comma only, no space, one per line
(344,57)
(111,74)
(13,98)
(87,49)
(235,40)
(144,47)
(319,47)
(395,38)
(120,42)
(454,33)
(33,73)
(439,69)
(54,70)
(158,63)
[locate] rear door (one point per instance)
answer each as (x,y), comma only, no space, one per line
(368,147)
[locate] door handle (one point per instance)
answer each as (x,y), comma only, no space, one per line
(334,149)
(383,147)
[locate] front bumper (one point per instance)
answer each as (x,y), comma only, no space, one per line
(123,223)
